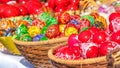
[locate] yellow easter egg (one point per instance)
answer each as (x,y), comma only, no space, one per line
(33,31)
(70,30)
(62,27)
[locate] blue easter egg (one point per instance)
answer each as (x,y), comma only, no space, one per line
(38,37)
(74,22)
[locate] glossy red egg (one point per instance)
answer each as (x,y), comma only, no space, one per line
(89,50)
(74,2)
(115,37)
(67,53)
(114,19)
(61,2)
(99,37)
(107,46)
(84,36)
(93,30)
(73,40)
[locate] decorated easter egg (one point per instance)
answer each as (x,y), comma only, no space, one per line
(63,17)
(59,9)
(28,19)
(61,2)
(48,9)
(84,36)
(52,31)
(100,23)
(45,16)
(64,52)
(73,9)
(70,30)
(22,29)
(114,19)
(43,38)
(51,21)
(105,47)
(75,17)
(33,31)
(44,29)
(89,50)
(90,18)
(115,36)
(62,28)
(99,37)
(26,38)
(95,15)
(84,23)
(18,23)
(38,37)
(73,41)
(38,23)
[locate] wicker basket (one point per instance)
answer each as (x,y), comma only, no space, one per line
(99,62)
(113,58)
(36,52)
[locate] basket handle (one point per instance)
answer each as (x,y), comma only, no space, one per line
(113,58)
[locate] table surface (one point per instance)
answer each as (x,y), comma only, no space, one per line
(11,61)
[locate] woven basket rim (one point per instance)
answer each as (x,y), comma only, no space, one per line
(50,41)
(76,62)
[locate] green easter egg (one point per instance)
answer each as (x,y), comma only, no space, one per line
(28,19)
(43,38)
(26,38)
(52,21)
(44,29)
(45,16)
(21,29)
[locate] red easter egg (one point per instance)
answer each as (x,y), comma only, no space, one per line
(4,1)
(65,52)
(99,37)
(93,30)
(52,31)
(51,4)
(23,10)
(11,11)
(74,2)
(113,16)
(60,8)
(114,19)
(2,9)
(38,23)
(63,18)
(84,36)
(105,47)
(72,7)
(23,1)
(61,2)
(115,37)
(89,50)
(34,7)
(73,40)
